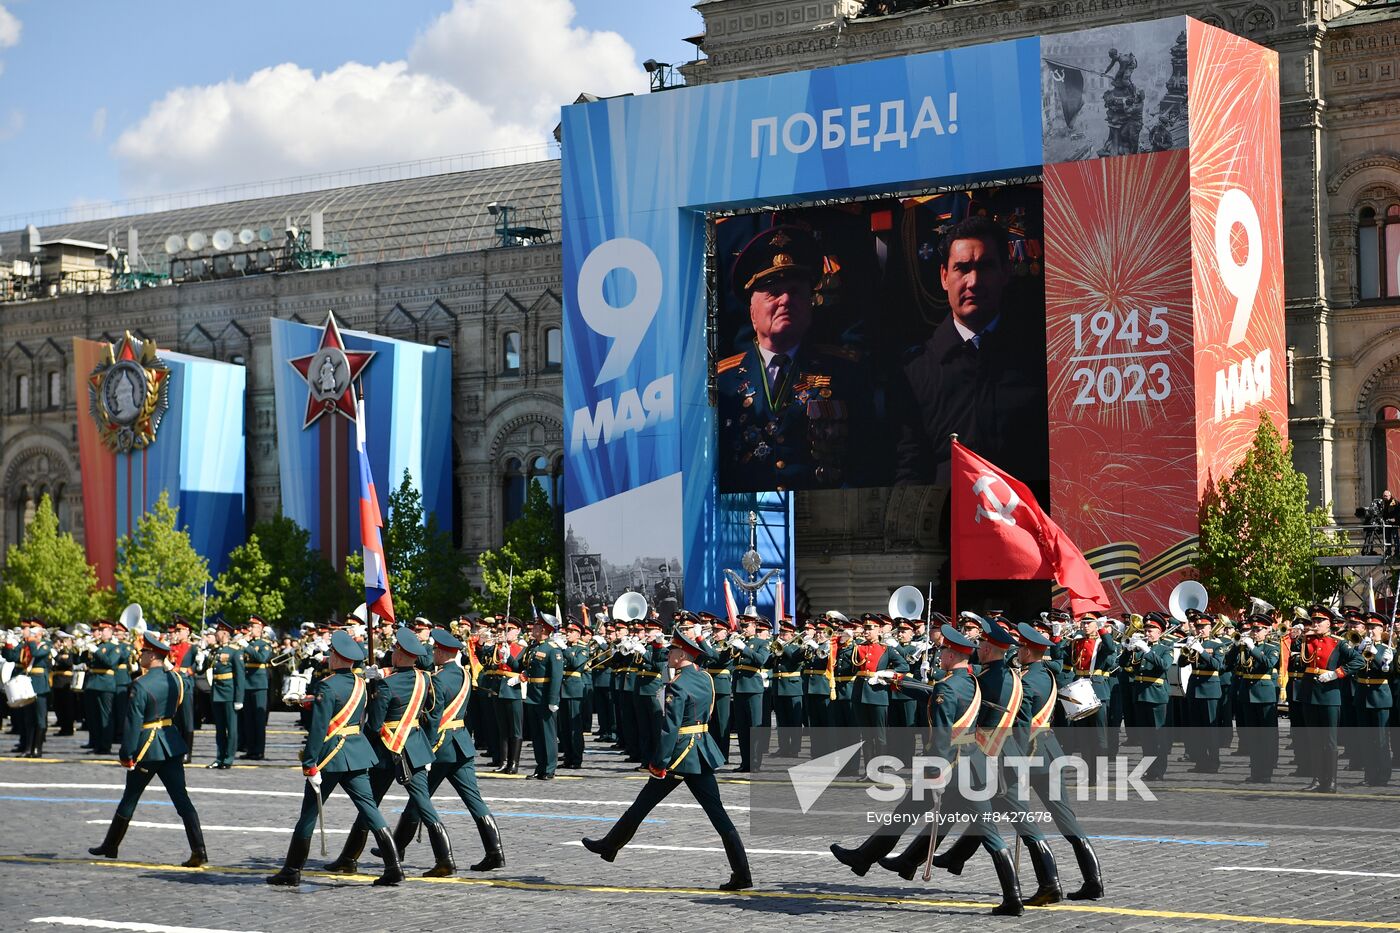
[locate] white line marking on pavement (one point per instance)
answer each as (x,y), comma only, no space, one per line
(239,792)
(634,845)
(1307,871)
(284,830)
(1297,826)
(124,925)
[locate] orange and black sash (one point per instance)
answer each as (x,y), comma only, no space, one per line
(964,722)
(395,734)
(1041,720)
(450,713)
(991,740)
(337,726)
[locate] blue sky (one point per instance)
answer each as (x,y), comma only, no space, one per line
(108,101)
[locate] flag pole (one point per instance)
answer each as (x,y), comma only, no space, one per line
(952,550)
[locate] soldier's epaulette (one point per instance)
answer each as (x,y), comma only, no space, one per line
(830,349)
(729,362)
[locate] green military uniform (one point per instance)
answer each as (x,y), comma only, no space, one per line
(749,663)
(252,731)
(226,700)
(99,691)
(1094,657)
(1373,697)
(719,666)
(65,701)
(544,679)
(818,684)
(1329,660)
(572,720)
(624,678)
(454,760)
(872,693)
(153,747)
(121,688)
(33,658)
(647,696)
(1205,692)
(1255,666)
(508,663)
(902,704)
(685,752)
(843,713)
(601,677)
(788,692)
(1149,668)
(337,754)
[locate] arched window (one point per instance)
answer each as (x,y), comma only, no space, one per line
(21,393)
(539,476)
(1385,452)
(55,390)
(553,348)
(512,491)
(1378,253)
(510,362)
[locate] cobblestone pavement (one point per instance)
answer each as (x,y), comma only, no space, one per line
(1211,853)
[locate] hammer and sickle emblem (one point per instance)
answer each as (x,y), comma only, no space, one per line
(993,508)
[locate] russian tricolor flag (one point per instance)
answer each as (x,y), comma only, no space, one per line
(377,597)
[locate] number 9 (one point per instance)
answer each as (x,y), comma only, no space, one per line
(1242,281)
(626,325)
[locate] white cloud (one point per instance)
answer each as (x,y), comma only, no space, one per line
(9,28)
(487,74)
(99,122)
(12,125)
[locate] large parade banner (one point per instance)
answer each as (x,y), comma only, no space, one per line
(159,422)
(318,373)
(1157,147)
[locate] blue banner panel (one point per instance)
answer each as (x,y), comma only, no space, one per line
(408,412)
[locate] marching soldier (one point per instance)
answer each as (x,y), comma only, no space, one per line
(1373,701)
(1255,664)
(1203,694)
(152,747)
(337,754)
(454,757)
(252,732)
(402,720)
(787,688)
(572,721)
(751,652)
(544,682)
(684,752)
(226,698)
(99,688)
(32,658)
(718,664)
(1148,660)
(1328,660)
(508,665)
(955,702)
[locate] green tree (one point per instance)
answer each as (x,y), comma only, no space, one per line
(535,551)
(159,568)
(47,575)
(249,585)
(1257,532)
(313,590)
(425,570)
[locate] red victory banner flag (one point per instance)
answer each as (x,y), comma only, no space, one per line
(1001,533)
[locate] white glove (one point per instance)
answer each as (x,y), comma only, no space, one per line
(1296,631)
(315,780)
(600,640)
(809,642)
(891,641)
(554,709)
(237,707)
(1139,646)
(1386,656)
(513,680)
(1326,677)
(1247,643)
(373,672)
(881,677)
(738,644)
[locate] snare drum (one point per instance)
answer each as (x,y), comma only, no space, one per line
(294,690)
(79,678)
(19,691)
(7,670)
(1079,699)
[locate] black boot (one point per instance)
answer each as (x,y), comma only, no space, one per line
(1047,879)
(393,874)
(739,877)
(198,855)
(953,858)
(1089,868)
(290,873)
(347,862)
(867,853)
(1010,905)
(907,863)
(603,847)
(116,831)
(403,835)
(443,865)
(513,763)
(491,842)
